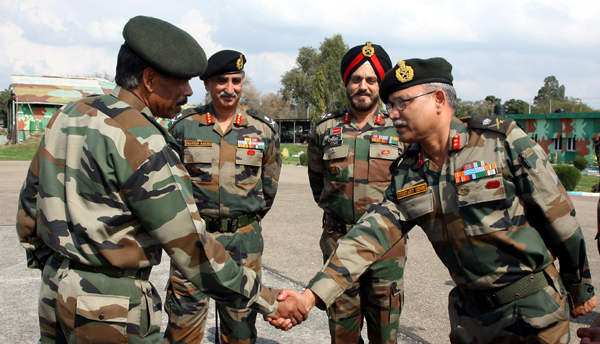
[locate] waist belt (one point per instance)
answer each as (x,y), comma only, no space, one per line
(142,274)
(226,224)
(519,289)
(329,222)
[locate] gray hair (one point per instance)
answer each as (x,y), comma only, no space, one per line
(447,88)
(130,68)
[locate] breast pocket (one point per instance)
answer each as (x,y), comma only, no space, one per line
(420,208)
(381,158)
(336,163)
(198,162)
(483,205)
(248,164)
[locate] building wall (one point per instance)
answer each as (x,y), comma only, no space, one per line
(554,132)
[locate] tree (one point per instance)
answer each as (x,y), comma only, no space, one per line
(273,105)
(96,75)
(251,95)
(493,100)
(551,91)
(4,99)
(318,96)
(470,108)
(516,106)
(298,83)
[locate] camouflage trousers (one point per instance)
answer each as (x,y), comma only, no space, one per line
(377,296)
(79,306)
(187,306)
(542,317)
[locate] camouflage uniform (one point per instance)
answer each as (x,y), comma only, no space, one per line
(349,169)
(104,195)
(499,230)
(597,151)
(234,176)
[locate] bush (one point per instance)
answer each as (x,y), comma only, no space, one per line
(569,176)
(581,163)
(303,159)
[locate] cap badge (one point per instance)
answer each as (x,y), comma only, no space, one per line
(368,50)
(240,62)
(404,73)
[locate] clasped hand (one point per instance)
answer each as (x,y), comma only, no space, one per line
(293,309)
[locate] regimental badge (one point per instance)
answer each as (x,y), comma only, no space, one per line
(404,73)
(411,191)
(252,143)
(209,119)
(238,119)
(335,169)
(420,159)
(378,119)
(474,171)
(464,190)
(347,118)
(368,50)
(240,62)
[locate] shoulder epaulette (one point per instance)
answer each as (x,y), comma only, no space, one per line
(496,123)
(185,113)
(331,115)
(265,118)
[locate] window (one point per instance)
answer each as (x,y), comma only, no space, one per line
(558,144)
(571,144)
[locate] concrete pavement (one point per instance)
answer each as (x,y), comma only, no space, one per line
(292,256)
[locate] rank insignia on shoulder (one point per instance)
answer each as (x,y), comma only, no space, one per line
(238,119)
(378,119)
(411,191)
(209,119)
(252,143)
(475,170)
(197,143)
(335,169)
(347,118)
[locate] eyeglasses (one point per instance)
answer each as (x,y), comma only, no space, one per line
(400,103)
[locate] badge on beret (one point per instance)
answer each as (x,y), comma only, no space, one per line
(404,73)
(368,50)
(240,62)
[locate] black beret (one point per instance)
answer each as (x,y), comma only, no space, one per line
(360,54)
(408,73)
(165,47)
(224,62)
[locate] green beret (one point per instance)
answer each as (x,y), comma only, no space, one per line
(412,72)
(224,62)
(165,47)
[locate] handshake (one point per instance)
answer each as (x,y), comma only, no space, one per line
(293,308)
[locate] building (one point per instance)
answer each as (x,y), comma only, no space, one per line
(564,136)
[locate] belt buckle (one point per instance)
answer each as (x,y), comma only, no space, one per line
(480,300)
(212,225)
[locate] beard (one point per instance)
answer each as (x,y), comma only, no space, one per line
(362,105)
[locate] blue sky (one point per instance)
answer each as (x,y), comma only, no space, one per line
(500,48)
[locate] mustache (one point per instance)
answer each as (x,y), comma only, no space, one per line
(225,94)
(182,102)
(361,92)
(399,123)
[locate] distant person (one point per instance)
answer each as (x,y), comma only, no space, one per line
(350,152)
(232,155)
(491,205)
(106,194)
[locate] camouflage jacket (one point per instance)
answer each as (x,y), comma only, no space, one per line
(234,173)
(488,231)
(106,188)
(349,168)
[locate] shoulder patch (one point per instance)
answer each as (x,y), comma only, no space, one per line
(331,115)
(265,118)
(185,113)
(496,123)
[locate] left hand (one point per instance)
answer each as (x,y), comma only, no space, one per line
(582,308)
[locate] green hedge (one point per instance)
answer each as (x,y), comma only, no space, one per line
(568,175)
(581,163)
(303,159)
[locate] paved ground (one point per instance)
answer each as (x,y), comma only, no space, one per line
(291,258)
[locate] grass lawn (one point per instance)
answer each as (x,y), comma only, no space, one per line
(21,152)
(586,183)
(293,149)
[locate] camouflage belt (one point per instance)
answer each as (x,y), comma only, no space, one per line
(226,225)
(333,224)
(519,289)
(142,274)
